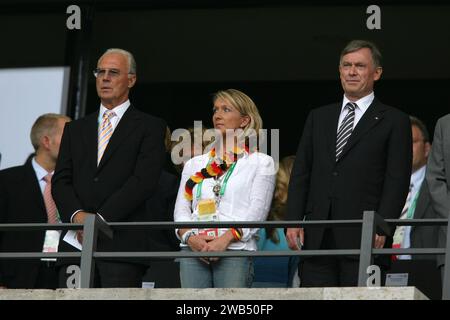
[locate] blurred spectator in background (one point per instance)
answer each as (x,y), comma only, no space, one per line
(25,197)
(192,135)
(160,207)
(418,203)
(276,271)
(438,179)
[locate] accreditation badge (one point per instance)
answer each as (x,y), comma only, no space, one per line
(51,242)
(207,211)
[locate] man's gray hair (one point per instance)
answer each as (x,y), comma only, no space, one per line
(356,45)
(127,54)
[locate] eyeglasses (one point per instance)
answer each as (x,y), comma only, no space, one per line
(113,73)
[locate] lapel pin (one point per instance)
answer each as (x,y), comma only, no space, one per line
(376,118)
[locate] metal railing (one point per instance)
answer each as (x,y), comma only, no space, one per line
(370,222)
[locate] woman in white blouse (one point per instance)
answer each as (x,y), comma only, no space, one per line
(232,182)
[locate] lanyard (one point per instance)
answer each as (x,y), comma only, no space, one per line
(224,185)
(412,207)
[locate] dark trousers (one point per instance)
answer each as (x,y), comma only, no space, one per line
(329,271)
(47,277)
(111,274)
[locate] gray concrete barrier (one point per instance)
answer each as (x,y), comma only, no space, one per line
(354,293)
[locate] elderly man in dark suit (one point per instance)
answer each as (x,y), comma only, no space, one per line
(354,155)
(109,165)
(25,197)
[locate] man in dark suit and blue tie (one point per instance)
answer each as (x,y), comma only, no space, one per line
(109,165)
(354,155)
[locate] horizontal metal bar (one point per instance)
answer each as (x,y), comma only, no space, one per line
(280,223)
(39,226)
(248,224)
(243,224)
(410,251)
(32,255)
(417,222)
(229,253)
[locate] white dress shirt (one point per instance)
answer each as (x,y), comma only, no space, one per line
(119,111)
(248,194)
(40,174)
(416,182)
(363,105)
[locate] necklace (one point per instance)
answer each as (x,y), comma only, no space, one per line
(218,185)
(213,170)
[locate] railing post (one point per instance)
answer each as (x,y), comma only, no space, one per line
(367,239)
(92,224)
(87,253)
(446,280)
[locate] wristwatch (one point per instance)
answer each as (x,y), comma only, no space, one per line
(185,237)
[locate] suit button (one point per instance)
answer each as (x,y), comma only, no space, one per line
(335,173)
(95,179)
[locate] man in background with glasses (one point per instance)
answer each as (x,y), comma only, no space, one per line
(109,164)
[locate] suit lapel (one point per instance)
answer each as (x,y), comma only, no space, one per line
(32,184)
(90,136)
(332,126)
(445,134)
(372,116)
(126,125)
(422,202)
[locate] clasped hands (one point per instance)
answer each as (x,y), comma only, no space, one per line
(204,243)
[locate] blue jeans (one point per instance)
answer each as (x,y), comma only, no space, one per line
(230,272)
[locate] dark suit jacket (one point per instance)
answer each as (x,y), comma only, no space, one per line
(373,172)
(126,176)
(21,201)
(160,207)
(424,236)
(438,177)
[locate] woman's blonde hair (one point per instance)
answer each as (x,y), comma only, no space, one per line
(278,209)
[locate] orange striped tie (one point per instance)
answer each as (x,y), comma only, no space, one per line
(106,131)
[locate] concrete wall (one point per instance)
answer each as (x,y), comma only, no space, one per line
(383,293)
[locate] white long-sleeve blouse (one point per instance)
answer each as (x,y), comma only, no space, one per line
(247,197)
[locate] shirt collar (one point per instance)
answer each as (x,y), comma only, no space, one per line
(40,172)
(362,103)
(119,110)
(418,176)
